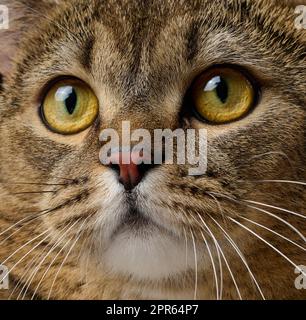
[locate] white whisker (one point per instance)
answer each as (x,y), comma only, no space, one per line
(264,211)
(196,266)
(277,208)
(218,253)
(87,260)
(78,236)
(274,181)
(29,266)
(35,271)
(186,247)
(230,271)
(240,254)
(266,242)
(274,232)
(213,265)
(269,153)
(23,246)
(30,218)
(282,220)
(15,265)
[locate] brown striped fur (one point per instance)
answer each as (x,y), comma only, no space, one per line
(140,57)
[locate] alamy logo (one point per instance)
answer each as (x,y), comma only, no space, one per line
(4,277)
(300,281)
(300,21)
(160,146)
(4,17)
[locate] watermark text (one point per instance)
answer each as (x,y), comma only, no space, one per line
(300,281)
(181,147)
(300,21)
(4,277)
(4,17)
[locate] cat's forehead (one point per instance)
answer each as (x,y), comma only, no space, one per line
(135,30)
(137,46)
(160,37)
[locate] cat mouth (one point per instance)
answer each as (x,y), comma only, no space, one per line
(138,224)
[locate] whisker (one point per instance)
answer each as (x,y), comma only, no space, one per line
(87,260)
(230,271)
(273,181)
(67,179)
(274,232)
(24,256)
(219,207)
(219,250)
(23,246)
(35,271)
(263,211)
(196,266)
(280,153)
(33,192)
(213,266)
(35,216)
(33,184)
(78,236)
(271,153)
(28,268)
(16,231)
(186,247)
(282,220)
(30,218)
(240,254)
(266,242)
(277,208)
(85,242)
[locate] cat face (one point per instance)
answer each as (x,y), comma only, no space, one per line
(172,232)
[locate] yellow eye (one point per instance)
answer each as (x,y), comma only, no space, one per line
(70,106)
(222,94)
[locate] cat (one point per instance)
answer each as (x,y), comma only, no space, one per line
(72,228)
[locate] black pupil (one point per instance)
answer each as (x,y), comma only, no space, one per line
(222,90)
(71,101)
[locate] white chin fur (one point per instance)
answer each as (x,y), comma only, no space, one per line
(145,254)
(153,257)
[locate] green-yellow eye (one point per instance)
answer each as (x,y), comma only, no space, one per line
(222,94)
(70,106)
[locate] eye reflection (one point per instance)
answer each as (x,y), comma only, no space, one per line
(222,94)
(68,96)
(69,107)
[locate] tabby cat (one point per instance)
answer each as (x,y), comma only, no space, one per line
(72,228)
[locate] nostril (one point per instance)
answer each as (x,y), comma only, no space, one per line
(129,175)
(144,168)
(115,167)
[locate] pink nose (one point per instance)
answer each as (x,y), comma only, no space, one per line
(130,175)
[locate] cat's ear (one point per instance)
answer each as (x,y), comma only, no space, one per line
(17,17)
